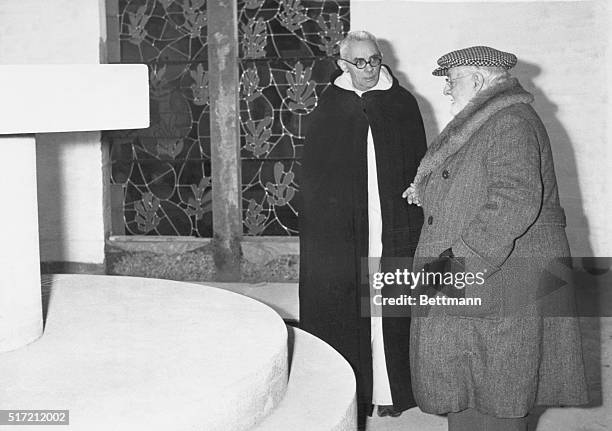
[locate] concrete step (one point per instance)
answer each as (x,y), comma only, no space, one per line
(321,390)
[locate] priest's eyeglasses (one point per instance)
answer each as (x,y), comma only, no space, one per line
(360,63)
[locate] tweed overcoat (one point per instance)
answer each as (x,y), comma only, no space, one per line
(491,195)
(334,223)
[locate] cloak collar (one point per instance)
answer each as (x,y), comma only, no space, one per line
(386,81)
(461,128)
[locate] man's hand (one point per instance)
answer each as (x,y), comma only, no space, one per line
(445,263)
(411,196)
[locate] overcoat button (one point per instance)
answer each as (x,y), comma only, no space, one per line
(445,174)
(430,220)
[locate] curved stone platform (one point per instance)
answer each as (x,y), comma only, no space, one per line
(124,353)
(321,393)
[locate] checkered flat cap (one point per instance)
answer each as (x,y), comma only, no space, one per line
(475,56)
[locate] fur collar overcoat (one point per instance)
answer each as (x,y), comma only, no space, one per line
(489,193)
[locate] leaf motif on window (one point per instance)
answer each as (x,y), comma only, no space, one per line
(166,3)
(254,36)
(292,14)
(136,26)
(258,135)
(170,146)
(282,192)
(254,219)
(301,90)
(331,33)
(200,86)
(170,124)
(254,4)
(250,82)
(146,212)
(158,85)
(201,202)
(195,18)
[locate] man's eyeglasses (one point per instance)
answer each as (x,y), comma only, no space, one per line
(360,63)
(451,82)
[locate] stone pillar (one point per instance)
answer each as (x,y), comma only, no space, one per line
(20,299)
(224,86)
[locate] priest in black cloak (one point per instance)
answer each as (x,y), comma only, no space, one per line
(363,144)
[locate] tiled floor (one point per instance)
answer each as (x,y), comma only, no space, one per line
(597,348)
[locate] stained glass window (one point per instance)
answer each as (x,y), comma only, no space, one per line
(286,50)
(164,171)
(161,176)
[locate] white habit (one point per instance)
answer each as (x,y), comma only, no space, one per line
(381,391)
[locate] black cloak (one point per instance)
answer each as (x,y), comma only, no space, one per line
(334,223)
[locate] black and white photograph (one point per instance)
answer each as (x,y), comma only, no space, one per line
(306,215)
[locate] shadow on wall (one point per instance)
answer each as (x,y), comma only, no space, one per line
(565,160)
(50,198)
(429,119)
(70,221)
(587,293)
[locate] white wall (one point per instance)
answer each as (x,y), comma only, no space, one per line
(70,197)
(70,174)
(564,53)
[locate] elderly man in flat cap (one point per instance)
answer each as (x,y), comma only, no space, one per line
(488,190)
